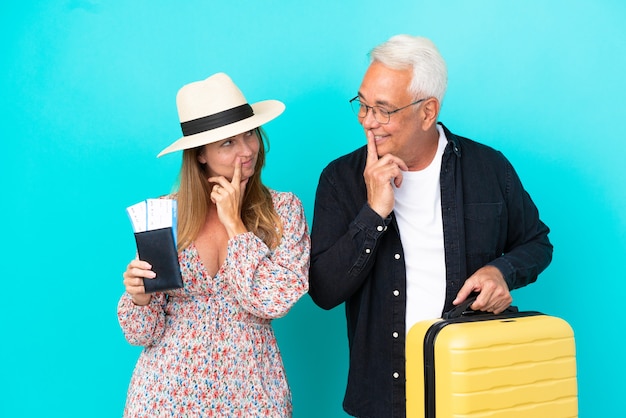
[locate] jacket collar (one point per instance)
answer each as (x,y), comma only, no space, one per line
(452,139)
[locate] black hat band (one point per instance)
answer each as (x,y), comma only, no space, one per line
(217,120)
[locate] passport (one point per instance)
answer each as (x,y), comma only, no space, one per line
(158,248)
(154,226)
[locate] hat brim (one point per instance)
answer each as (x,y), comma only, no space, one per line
(264,112)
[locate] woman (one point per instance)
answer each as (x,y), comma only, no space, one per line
(209,348)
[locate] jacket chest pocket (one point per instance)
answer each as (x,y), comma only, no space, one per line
(482,227)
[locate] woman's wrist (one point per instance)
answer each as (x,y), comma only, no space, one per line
(236,229)
(141,300)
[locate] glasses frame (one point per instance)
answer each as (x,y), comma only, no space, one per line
(377,110)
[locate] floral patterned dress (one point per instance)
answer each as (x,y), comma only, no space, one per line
(209,348)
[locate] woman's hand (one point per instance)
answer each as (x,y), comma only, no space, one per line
(136,271)
(228,197)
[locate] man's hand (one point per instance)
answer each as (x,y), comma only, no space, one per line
(494,295)
(378,175)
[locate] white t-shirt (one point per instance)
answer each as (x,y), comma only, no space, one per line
(418,213)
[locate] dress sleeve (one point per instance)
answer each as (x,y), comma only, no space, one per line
(267,282)
(142,325)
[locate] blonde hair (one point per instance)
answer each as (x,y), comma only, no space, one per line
(257,211)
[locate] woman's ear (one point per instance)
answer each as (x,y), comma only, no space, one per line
(200,157)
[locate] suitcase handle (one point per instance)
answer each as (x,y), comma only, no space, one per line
(463,309)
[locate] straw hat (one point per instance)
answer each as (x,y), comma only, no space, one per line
(214,109)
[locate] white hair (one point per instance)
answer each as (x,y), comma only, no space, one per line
(430,75)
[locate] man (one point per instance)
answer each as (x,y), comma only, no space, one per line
(414,222)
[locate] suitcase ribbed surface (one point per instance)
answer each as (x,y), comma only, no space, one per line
(501,368)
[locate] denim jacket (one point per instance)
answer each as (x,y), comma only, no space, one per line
(357,258)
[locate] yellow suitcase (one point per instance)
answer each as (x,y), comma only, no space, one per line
(512,365)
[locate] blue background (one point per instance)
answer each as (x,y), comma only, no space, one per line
(88,99)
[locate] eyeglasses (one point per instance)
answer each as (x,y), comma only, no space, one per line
(381,115)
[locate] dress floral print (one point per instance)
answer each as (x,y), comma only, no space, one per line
(209,348)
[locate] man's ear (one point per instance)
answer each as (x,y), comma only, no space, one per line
(430,107)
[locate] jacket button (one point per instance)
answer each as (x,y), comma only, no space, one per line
(396,256)
(395,335)
(396,292)
(396,375)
